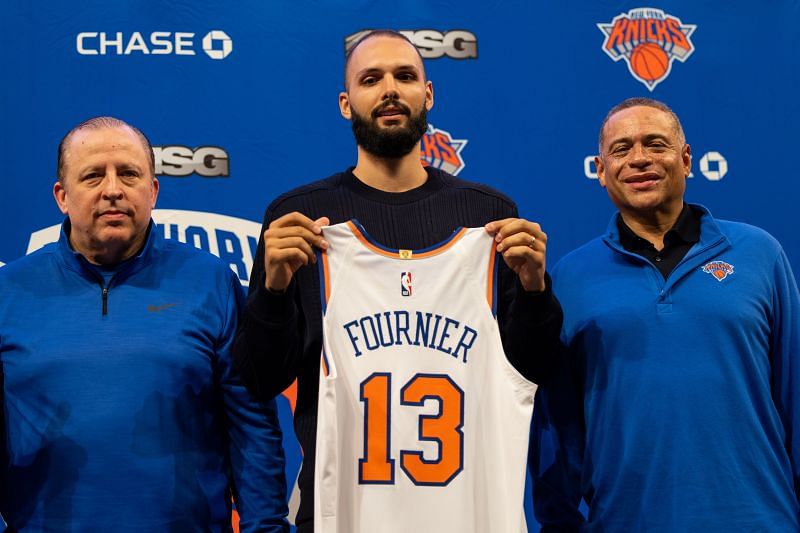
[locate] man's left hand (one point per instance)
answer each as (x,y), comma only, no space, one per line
(522,244)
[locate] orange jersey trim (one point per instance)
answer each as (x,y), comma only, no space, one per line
(491,278)
(406,255)
(326,274)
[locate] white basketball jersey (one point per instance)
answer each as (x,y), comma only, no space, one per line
(422,423)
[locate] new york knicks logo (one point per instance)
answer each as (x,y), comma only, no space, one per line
(439,150)
(649,40)
(719,269)
(405,283)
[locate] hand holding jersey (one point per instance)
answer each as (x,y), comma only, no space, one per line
(290,240)
(288,245)
(523,245)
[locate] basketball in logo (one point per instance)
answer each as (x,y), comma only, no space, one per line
(649,41)
(649,61)
(719,269)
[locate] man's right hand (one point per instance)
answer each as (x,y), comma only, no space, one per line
(289,244)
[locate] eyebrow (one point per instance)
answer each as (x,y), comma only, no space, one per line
(124,166)
(648,137)
(376,70)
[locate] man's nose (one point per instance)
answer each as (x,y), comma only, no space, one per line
(639,156)
(111,185)
(389,87)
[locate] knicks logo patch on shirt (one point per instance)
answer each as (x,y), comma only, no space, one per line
(719,269)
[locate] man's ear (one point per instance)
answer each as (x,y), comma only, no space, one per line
(155,193)
(60,195)
(601,171)
(344,105)
(686,157)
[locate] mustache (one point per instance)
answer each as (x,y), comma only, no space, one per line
(391,103)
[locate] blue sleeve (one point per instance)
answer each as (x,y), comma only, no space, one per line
(784,356)
(258,481)
(556,451)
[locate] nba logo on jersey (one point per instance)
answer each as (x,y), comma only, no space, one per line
(405,283)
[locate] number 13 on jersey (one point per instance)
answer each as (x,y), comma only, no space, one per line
(443,428)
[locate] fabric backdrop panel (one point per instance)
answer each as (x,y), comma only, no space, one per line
(240,101)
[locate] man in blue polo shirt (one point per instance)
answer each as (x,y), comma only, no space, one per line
(679,405)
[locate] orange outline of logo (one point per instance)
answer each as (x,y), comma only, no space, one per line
(449,151)
(636,27)
(719,269)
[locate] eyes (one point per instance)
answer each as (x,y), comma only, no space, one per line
(407,76)
(127,176)
(655,146)
(373,78)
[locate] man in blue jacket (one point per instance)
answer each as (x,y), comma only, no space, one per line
(679,408)
(121,408)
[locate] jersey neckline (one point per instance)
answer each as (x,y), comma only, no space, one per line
(365,239)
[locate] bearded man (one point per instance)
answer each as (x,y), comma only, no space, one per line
(403,205)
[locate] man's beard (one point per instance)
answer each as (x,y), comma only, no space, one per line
(390,143)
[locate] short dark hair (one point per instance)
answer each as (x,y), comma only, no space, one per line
(98,123)
(378,33)
(640,102)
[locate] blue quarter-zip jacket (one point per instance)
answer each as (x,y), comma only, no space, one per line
(121,408)
(679,406)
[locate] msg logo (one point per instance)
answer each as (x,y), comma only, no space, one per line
(433,44)
(180,161)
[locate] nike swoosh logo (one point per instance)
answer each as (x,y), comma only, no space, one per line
(157,308)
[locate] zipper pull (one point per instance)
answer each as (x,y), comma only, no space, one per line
(105,301)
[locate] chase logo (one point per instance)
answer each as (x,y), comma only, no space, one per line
(181,161)
(432,44)
(234,240)
(649,40)
(439,150)
(216,43)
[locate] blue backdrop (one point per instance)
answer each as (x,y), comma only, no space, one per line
(240,100)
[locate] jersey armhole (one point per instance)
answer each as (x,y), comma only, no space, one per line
(491,279)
